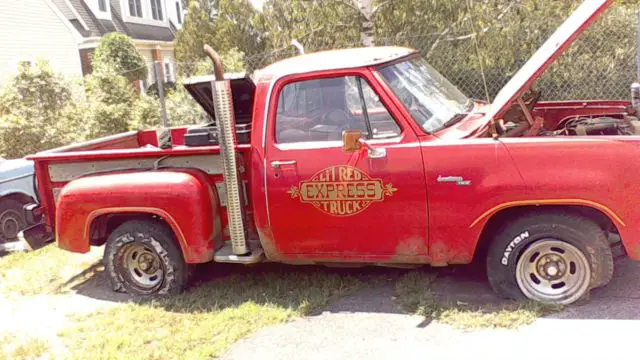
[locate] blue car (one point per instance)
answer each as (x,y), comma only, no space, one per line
(17,189)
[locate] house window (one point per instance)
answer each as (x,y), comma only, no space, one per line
(135,8)
(168,72)
(178,12)
(156,9)
(102,5)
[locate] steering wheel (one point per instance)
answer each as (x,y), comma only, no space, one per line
(343,120)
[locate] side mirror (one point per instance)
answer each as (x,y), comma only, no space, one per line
(351,141)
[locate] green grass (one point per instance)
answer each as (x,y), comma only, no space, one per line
(44,271)
(12,347)
(415,297)
(199,324)
(204,322)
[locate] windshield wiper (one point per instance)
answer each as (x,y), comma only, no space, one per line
(470,104)
(454,120)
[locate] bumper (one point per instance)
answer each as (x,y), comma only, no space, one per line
(36,236)
(32,213)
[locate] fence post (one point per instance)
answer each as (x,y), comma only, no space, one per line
(164,135)
(160,83)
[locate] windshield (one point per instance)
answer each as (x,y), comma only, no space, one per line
(431,99)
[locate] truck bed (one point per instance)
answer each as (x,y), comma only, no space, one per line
(131,151)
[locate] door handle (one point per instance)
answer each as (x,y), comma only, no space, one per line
(374,153)
(276,164)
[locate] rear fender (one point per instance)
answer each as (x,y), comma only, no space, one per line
(183,199)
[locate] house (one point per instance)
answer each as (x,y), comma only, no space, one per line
(66,32)
(152,24)
(23,25)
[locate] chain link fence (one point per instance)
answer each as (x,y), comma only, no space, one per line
(601,64)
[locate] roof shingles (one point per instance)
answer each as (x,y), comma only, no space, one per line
(98,27)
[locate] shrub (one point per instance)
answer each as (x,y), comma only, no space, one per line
(109,106)
(146,113)
(116,52)
(182,109)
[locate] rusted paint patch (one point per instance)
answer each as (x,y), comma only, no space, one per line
(268,245)
(443,254)
(411,250)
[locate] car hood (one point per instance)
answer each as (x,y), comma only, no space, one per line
(15,167)
(581,18)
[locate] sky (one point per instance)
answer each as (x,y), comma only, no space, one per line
(257,3)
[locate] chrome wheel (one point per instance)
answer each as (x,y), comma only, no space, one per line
(142,266)
(553,271)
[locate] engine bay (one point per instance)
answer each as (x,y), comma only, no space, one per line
(525,118)
(605,125)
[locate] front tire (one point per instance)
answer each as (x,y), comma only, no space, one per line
(142,258)
(549,257)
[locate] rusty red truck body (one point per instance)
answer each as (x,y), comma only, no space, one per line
(362,156)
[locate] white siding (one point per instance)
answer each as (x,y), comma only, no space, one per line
(149,59)
(32,30)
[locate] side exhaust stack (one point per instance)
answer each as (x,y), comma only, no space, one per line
(226,124)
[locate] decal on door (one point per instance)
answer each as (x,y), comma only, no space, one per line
(341,190)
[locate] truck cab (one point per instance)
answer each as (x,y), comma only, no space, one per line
(361,156)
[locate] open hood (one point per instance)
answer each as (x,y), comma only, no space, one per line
(584,15)
(242,89)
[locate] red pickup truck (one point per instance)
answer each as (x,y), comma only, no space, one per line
(361,156)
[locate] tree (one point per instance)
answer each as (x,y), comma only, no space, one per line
(317,25)
(37,112)
(223,24)
(117,53)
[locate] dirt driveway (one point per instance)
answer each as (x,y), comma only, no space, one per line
(369,325)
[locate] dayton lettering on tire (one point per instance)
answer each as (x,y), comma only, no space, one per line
(512,244)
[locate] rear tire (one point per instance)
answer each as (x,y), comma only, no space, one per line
(11,220)
(549,257)
(142,258)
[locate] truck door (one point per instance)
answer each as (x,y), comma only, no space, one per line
(327,204)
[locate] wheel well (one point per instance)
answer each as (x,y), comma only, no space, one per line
(102,226)
(509,214)
(19,197)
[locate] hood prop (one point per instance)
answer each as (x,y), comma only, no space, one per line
(226,124)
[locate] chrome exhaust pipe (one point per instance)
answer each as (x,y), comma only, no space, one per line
(226,125)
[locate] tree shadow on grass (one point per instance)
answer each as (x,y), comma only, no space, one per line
(306,289)
(314,289)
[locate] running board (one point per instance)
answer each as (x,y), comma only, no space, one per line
(225,254)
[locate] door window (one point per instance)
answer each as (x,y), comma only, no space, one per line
(321,109)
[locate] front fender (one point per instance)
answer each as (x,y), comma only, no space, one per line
(184,199)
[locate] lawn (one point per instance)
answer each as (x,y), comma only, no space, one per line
(225,304)
(231,302)
(45,271)
(414,296)
(204,322)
